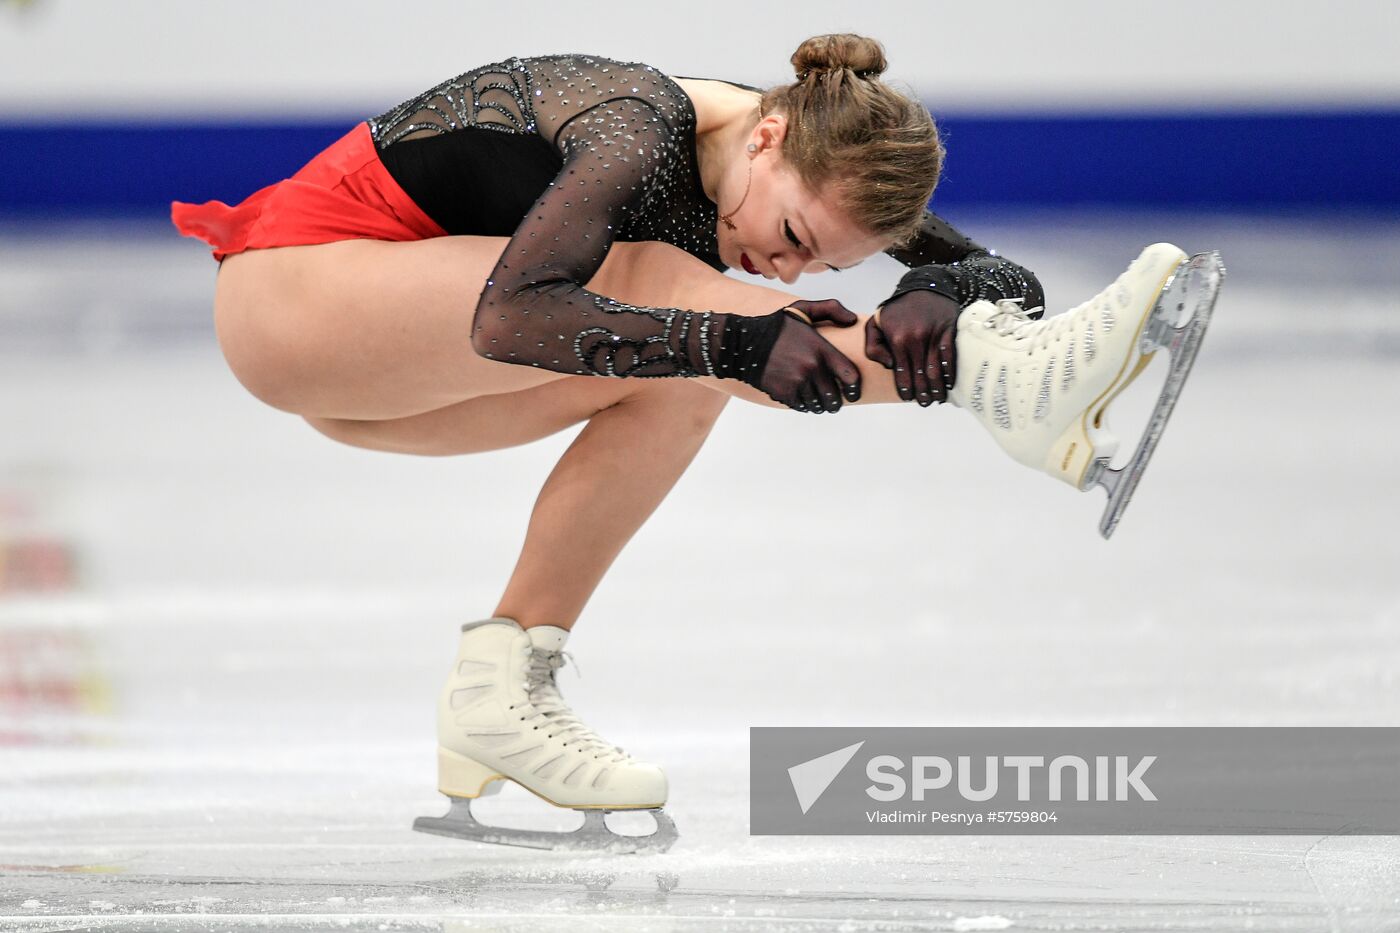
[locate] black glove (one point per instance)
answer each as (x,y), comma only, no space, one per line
(914,331)
(782,355)
(914,334)
(988,278)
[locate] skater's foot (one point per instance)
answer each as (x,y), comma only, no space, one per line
(501,718)
(1042,388)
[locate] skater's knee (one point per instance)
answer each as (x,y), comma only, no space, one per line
(678,265)
(649,254)
(651,272)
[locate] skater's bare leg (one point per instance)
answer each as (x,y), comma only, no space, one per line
(607,484)
(641,436)
(376,352)
(363,329)
(696,285)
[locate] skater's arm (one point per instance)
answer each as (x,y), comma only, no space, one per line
(913,331)
(936,242)
(945,261)
(535,311)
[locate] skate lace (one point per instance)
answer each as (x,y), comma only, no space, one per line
(1012,320)
(547,709)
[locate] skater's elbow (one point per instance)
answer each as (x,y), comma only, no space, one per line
(502,316)
(495,322)
(1035,293)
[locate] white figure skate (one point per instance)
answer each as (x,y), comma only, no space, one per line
(1042,388)
(501,717)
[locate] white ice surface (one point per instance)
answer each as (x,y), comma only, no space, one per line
(264,617)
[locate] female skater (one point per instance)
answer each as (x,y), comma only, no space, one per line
(455,275)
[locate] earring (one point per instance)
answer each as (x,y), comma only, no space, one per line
(752,148)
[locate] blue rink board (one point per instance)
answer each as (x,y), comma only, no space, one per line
(1236,160)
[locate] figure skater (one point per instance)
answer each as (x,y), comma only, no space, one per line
(540,242)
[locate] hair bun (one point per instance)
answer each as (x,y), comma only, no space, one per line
(821,55)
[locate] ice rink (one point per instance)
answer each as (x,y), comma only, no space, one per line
(222,634)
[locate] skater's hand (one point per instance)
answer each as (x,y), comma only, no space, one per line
(804,371)
(914,335)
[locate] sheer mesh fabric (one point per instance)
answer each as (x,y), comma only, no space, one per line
(938,242)
(492,97)
(945,261)
(626,135)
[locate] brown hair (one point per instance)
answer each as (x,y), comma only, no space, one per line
(877,147)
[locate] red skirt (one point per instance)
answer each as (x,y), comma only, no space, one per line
(345,193)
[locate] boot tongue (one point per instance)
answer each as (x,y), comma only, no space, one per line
(548,637)
(544,693)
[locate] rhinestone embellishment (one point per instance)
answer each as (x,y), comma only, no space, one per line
(1001,408)
(975,402)
(624,133)
(629,172)
(1042,398)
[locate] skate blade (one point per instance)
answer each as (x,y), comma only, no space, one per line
(1195,285)
(593,836)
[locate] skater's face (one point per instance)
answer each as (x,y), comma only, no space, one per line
(783,228)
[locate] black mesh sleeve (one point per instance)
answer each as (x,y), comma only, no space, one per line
(937,242)
(535,311)
(949,263)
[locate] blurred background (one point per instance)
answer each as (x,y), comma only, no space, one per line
(120,107)
(221,632)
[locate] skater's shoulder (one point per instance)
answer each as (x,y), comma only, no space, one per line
(715,102)
(586,81)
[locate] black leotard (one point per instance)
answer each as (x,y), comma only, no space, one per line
(568,154)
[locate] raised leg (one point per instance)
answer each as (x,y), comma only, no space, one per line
(641,436)
(368,330)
